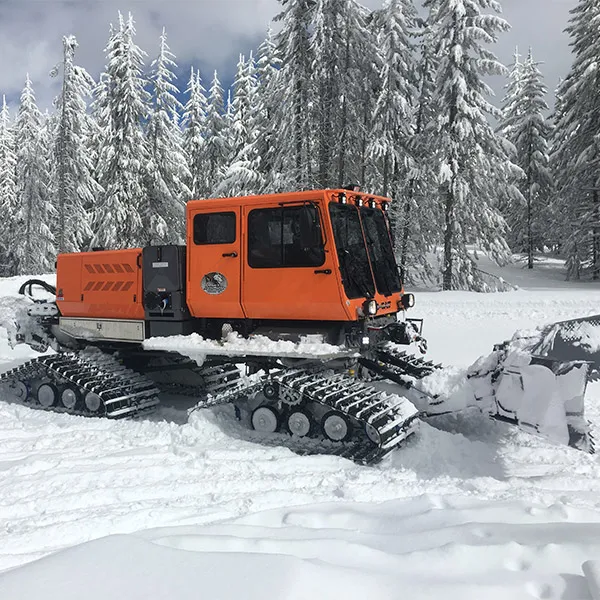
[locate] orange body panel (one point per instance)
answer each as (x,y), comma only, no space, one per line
(290,293)
(105,284)
(220,283)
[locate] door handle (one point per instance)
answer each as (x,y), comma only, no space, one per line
(324,271)
(229,254)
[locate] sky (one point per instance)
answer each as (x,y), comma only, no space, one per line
(210,34)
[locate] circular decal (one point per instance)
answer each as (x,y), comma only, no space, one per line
(214,283)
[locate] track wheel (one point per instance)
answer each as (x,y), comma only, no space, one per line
(265,420)
(373,434)
(92,402)
(19,390)
(47,395)
(270,390)
(299,423)
(336,427)
(69,397)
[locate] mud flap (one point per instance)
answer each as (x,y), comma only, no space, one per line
(537,394)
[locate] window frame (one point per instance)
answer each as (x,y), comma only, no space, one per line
(282,264)
(209,214)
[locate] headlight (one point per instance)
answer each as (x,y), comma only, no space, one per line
(370,307)
(407,301)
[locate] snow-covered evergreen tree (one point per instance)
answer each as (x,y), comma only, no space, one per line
(194,143)
(340,42)
(415,213)
(168,171)
(243,176)
(76,189)
(394,120)
(122,214)
(473,167)
(295,86)
(576,154)
(217,150)
(269,113)
(524,125)
(8,194)
(34,242)
(392,116)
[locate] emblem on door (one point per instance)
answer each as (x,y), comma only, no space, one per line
(214,283)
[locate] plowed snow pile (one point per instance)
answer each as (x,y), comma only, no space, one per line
(169,508)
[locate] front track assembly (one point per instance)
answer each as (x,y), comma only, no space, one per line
(326,413)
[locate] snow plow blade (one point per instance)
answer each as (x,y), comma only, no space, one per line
(539,394)
(575,339)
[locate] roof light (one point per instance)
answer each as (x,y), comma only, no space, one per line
(385,206)
(372,203)
(342,198)
(358,200)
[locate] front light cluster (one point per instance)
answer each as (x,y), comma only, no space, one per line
(370,307)
(406,301)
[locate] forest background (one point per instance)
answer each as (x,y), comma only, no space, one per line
(396,100)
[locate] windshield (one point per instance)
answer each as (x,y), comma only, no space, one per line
(380,251)
(351,251)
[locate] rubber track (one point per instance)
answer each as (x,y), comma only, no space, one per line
(392,417)
(406,364)
(123,392)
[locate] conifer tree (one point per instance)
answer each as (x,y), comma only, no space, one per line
(8,194)
(76,189)
(295,83)
(194,142)
(168,172)
(269,114)
(415,213)
(123,209)
(217,151)
(576,155)
(242,176)
(34,242)
(393,127)
(340,42)
(525,126)
(473,167)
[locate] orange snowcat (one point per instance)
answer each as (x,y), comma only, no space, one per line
(303,290)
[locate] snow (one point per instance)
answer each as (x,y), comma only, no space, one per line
(176,507)
(198,348)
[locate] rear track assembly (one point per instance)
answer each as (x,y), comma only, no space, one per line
(89,383)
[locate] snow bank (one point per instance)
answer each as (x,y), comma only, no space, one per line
(423,548)
(164,507)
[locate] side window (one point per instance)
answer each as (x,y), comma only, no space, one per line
(214,228)
(289,236)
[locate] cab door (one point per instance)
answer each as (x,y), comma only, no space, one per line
(214,264)
(289,271)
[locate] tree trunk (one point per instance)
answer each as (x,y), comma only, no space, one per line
(596,237)
(448,237)
(406,226)
(529,221)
